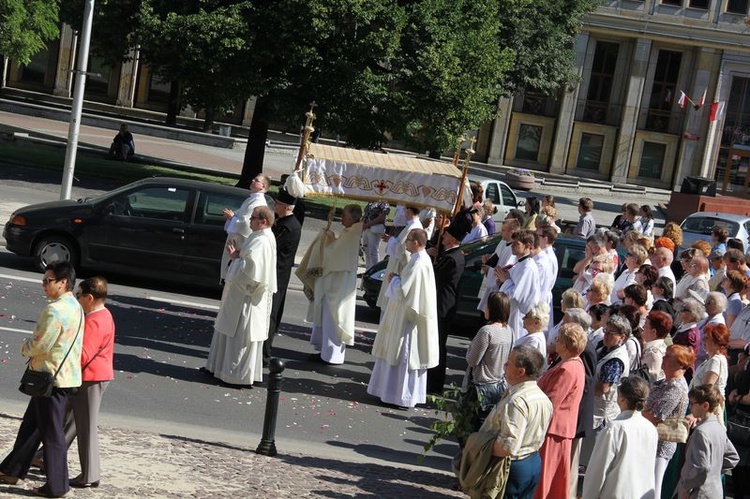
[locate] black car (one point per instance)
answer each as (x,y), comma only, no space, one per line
(163,228)
(568,250)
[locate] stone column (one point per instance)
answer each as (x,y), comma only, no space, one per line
(566,115)
(499,137)
(65,62)
(629,121)
(127,81)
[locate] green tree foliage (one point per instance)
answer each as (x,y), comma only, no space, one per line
(205,46)
(542,35)
(26,26)
(450,70)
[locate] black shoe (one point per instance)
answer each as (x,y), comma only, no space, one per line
(315,357)
(78,483)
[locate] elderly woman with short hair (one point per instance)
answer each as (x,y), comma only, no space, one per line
(668,398)
(613,365)
(535,322)
(656,329)
(688,334)
(563,384)
(634,258)
(695,279)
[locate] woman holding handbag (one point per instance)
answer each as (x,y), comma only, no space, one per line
(668,398)
(55,348)
(82,414)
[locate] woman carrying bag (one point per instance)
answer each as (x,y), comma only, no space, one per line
(55,348)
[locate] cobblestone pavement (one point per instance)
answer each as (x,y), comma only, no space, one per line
(142,464)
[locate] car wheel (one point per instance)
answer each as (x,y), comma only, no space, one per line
(53,249)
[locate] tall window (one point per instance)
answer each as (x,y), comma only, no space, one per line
(737,123)
(664,91)
(699,4)
(529,140)
(590,151)
(600,82)
(737,6)
(678,3)
(652,160)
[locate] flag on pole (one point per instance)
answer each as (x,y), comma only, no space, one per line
(717,111)
(682,99)
(701,101)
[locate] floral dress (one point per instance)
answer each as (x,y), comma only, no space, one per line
(668,397)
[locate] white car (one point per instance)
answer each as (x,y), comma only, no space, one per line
(502,196)
(698,226)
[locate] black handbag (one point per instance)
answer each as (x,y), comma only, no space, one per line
(41,383)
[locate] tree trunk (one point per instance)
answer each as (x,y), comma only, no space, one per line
(256,143)
(208,122)
(173,104)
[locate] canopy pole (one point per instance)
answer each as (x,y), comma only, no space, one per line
(457,156)
(308,130)
(459,199)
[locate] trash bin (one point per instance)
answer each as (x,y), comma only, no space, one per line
(698,185)
(225,130)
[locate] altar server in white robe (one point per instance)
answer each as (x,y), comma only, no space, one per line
(521,281)
(502,257)
(547,236)
(236,354)
(398,256)
(406,344)
(329,270)
(237,225)
(547,273)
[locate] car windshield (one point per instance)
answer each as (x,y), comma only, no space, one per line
(704,225)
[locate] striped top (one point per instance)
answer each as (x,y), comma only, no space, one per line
(521,419)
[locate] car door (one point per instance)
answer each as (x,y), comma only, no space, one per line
(145,229)
(205,236)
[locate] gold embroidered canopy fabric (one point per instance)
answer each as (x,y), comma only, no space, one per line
(371,176)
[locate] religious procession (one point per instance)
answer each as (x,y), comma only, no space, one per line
(636,390)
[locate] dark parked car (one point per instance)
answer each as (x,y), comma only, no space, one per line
(162,228)
(569,251)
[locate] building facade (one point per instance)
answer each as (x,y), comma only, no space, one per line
(625,120)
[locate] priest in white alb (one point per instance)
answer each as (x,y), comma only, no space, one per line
(236,354)
(521,282)
(396,250)
(328,271)
(406,344)
(237,224)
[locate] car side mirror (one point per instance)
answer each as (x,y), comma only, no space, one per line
(521,203)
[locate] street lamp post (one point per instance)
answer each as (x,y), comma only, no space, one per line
(75,111)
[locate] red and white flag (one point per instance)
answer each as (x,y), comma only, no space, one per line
(702,101)
(717,111)
(682,99)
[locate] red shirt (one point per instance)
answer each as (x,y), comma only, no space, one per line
(98,346)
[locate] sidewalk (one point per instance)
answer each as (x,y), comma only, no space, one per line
(141,464)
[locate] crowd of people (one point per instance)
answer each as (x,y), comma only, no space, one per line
(651,343)
(650,334)
(652,338)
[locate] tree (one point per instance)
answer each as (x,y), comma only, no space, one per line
(335,52)
(542,35)
(26,26)
(204,47)
(450,70)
